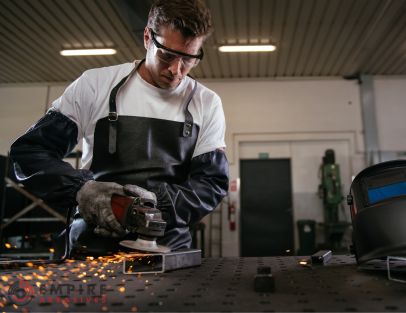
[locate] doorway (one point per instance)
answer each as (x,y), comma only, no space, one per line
(266,207)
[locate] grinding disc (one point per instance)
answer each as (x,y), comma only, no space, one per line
(144,245)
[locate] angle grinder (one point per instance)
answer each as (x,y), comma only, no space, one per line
(140,217)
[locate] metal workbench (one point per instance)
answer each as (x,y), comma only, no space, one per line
(218,285)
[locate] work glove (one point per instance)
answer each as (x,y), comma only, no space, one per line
(94,203)
(137,191)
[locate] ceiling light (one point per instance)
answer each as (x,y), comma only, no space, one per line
(75,52)
(247,48)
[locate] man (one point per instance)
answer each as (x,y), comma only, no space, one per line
(148,130)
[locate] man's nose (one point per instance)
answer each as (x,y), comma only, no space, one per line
(175,66)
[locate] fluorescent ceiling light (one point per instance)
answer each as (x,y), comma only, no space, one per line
(247,48)
(74,52)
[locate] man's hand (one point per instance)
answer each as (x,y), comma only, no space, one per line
(94,199)
(137,191)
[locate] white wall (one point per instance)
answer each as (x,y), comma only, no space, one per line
(289,106)
(20,107)
(297,119)
(390,96)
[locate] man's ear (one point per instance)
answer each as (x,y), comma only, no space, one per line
(147,37)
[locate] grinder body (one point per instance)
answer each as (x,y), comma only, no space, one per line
(140,217)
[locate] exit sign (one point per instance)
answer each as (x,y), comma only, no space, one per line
(263,155)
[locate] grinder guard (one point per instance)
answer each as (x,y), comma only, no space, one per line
(377,202)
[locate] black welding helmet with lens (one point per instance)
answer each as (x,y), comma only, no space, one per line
(377,202)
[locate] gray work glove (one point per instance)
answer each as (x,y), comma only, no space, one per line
(94,202)
(137,191)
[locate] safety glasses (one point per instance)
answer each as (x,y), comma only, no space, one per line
(168,55)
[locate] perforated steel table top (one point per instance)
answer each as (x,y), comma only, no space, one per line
(218,285)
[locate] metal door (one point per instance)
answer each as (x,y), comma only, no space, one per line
(266,207)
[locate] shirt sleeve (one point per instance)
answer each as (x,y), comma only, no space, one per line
(76,103)
(213,128)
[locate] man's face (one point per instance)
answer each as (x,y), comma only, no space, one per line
(170,56)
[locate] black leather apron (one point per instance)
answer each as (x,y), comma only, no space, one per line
(141,151)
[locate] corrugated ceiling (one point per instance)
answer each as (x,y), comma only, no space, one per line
(314,37)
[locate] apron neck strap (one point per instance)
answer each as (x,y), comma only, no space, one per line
(113,116)
(188,125)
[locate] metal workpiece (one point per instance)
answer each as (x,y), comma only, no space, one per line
(321,257)
(161,262)
(264,281)
(182,259)
(218,285)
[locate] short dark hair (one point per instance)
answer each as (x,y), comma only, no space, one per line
(191,17)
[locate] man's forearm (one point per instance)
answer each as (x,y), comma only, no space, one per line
(186,203)
(37,156)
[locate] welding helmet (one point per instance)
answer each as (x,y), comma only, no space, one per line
(377,202)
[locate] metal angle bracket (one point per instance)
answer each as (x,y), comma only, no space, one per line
(143,263)
(321,257)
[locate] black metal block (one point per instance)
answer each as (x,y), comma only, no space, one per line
(264,281)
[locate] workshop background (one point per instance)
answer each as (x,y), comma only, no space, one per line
(337,80)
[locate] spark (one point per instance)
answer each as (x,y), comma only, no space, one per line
(65,303)
(305,262)
(40,277)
